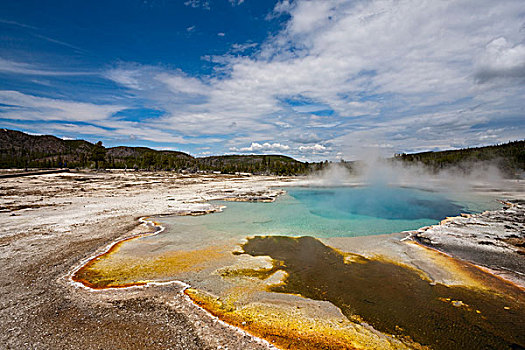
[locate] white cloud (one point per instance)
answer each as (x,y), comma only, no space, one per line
(126,77)
(264,147)
(315,149)
(304,137)
(205,4)
(400,73)
(29,107)
(309,16)
(13,67)
(386,63)
(236,2)
(280,8)
(179,83)
(501,59)
(242,47)
(50,114)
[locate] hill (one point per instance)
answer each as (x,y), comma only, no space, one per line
(146,158)
(21,150)
(508,157)
(255,164)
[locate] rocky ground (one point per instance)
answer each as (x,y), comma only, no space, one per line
(49,223)
(494,240)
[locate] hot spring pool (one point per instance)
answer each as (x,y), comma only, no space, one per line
(255,283)
(332,212)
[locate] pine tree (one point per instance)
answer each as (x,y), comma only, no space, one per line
(98,153)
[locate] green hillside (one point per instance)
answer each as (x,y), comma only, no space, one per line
(274,164)
(508,157)
(21,150)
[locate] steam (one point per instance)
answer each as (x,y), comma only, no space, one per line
(334,174)
(380,172)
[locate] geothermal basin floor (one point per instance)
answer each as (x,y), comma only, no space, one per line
(51,224)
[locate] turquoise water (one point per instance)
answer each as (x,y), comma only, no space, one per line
(330,212)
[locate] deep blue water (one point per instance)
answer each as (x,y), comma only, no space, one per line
(330,212)
(391,203)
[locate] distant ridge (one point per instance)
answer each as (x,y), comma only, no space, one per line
(508,157)
(21,150)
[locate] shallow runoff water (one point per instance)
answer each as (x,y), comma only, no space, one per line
(333,212)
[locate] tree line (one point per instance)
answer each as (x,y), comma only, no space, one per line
(20,150)
(508,157)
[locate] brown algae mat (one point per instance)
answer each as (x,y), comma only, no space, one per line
(393,298)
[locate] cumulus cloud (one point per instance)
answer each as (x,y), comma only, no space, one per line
(304,137)
(316,149)
(501,59)
(282,7)
(309,16)
(242,47)
(400,75)
(264,147)
(179,83)
(382,67)
(126,77)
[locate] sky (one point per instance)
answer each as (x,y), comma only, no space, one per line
(315,80)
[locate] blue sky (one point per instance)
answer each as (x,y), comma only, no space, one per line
(319,79)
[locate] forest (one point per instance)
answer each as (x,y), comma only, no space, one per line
(509,158)
(21,150)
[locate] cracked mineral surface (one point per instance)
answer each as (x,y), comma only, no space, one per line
(494,239)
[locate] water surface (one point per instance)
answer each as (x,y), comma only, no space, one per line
(332,212)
